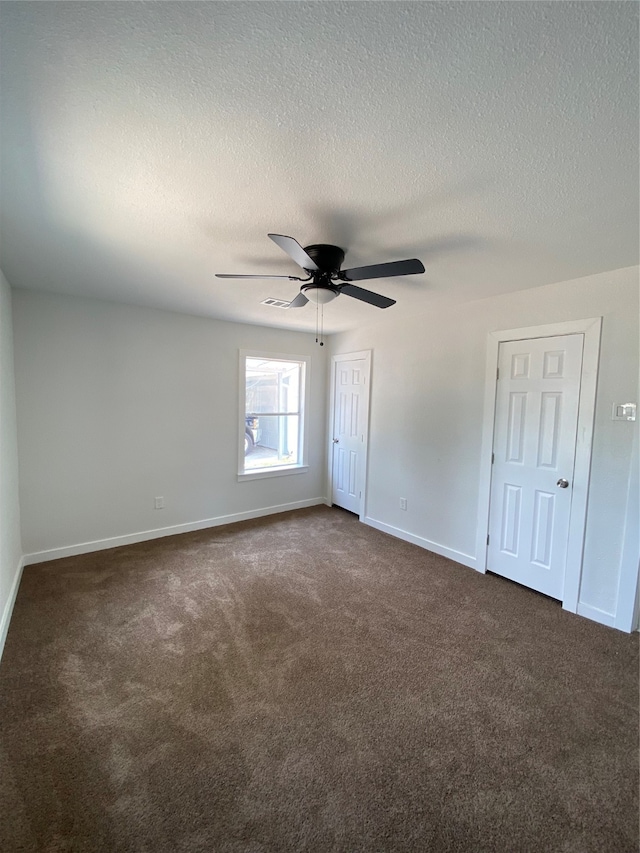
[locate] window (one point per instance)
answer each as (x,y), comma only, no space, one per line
(272,414)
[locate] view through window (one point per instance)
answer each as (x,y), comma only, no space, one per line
(274,404)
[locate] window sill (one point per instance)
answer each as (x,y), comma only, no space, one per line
(258,474)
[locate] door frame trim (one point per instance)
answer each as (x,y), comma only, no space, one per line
(591,329)
(349,356)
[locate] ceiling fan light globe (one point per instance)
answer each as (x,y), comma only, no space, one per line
(319,295)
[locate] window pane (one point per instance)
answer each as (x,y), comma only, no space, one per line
(273,414)
(272,386)
(276,442)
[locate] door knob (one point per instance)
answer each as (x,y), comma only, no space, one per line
(562,483)
(336,440)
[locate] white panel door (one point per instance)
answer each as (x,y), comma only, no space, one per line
(350,407)
(536,417)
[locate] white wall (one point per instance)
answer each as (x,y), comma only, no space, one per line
(427,415)
(10,545)
(118,404)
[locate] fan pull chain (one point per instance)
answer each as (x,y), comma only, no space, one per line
(320,323)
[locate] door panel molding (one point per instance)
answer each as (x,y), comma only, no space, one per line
(365,355)
(591,329)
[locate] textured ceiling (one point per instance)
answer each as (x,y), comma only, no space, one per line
(146,146)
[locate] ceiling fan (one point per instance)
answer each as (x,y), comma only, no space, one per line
(325,278)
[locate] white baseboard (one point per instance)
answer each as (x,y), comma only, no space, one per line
(596,615)
(146,535)
(586,610)
(8,608)
(427,544)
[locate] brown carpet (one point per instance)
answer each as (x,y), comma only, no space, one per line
(305,683)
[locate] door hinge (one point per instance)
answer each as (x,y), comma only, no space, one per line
(497,373)
(487,538)
(493,458)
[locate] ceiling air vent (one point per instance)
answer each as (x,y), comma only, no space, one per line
(276,303)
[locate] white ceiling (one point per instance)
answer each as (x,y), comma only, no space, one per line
(147,146)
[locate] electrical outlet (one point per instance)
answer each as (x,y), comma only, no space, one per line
(159,503)
(403,503)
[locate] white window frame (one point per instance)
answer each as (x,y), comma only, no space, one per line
(301,467)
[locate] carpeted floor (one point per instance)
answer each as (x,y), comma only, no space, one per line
(305,683)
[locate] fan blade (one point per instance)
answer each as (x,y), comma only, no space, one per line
(367,296)
(295,251)
(409,267)
(299,301)
(290,277)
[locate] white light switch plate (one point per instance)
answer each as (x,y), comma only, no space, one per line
(623,412)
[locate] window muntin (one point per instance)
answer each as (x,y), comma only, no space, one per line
(273,414)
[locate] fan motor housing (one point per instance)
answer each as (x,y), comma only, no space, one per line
(328,258)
